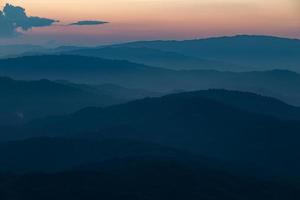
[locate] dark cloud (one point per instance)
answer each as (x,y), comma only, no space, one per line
(88,23)
(6,27)
(14,19)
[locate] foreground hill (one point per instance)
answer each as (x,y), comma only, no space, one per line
(60,154)
(200,122)
(252,52)
(284,85)
(143,179)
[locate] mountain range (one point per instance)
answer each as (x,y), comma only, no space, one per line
(247,52)
(230,53)
(22,101)
(154,57)
(281,84)
(212,123)
(215,118)
(15,50)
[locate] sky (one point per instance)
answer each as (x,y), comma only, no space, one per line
(131,20)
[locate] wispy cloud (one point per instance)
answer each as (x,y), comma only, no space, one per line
(14,20)
(88,23)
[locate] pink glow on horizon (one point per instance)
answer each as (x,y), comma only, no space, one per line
(159,19)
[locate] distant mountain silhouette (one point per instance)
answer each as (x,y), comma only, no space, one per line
(284,85)
(234,53)
(72,68)
(65,48)
(200,122)
(21,101)
(113,90)
(15,50)
(252,52)
(154,57)
(251,102)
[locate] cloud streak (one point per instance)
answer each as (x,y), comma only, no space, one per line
(88,23)
(14,20)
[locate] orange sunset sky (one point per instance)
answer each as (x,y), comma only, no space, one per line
(157,19)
